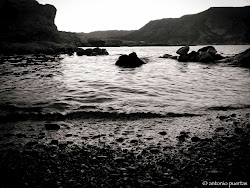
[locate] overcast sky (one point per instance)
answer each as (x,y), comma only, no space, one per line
(87,15)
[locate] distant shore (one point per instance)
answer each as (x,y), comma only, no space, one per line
(219,152)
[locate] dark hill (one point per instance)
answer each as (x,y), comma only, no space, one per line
(227,25)
(104,34)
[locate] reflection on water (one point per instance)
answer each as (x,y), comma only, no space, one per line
(85,83)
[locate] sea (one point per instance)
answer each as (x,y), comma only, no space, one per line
(74,86)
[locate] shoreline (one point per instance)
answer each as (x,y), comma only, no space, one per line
(212,148)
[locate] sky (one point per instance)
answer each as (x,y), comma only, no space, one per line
(99,15)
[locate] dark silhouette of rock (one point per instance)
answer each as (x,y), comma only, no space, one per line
(129,61)
(91,52)
(193,56)
(168,56)
(195,139)
(26,21)
(183,50)
(241,59)
(206,54)
(205,57)
(28,27)
(183,58)
(80,52)
(51,126)
(209,49)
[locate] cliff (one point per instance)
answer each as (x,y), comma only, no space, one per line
(221,25)
(27,20)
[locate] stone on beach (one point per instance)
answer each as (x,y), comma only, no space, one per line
(51,126)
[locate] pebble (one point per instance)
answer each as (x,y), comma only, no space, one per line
(120,139)
(68,135)
(51,126)
(54,142)
(195,139)
(29,144)
(219,129)
(163,133)
(20,135)
(134,141)
(238,130)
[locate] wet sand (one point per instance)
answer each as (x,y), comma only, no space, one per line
(155,152)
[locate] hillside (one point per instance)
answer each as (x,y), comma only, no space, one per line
(220,25)
(105,34)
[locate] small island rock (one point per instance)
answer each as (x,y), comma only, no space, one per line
(129,61)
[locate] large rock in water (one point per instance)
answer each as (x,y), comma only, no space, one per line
(129,61)
(205,57)
(91,52)
(183,50)
(241,59)
(209,49)
(26,21)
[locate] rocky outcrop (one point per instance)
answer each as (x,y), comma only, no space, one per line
(206,54)
(91,52)
(129,61)
(27,27)
(26,21)
(242,59)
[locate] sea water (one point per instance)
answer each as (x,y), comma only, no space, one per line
(85,84)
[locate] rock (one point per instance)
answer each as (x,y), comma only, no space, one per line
(166,56)
(222,117)
(209,49)
(163,133)
(195,139)
(25,21)
(205,57)
(68,135)
(154,150)
(51,126)
(120,139)
(238,130)
(104,52)
(54,142)
(32,143)
(193,56)
(119,159)
(183,135)
(88,52)
(129,61)
(183,50)
(97,51)
(183,58)
(134,141)
(242,59)
(20,135)
(219,129)
(91,52)
(80,52)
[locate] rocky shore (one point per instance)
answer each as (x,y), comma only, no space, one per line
(208,54)
(220,152)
